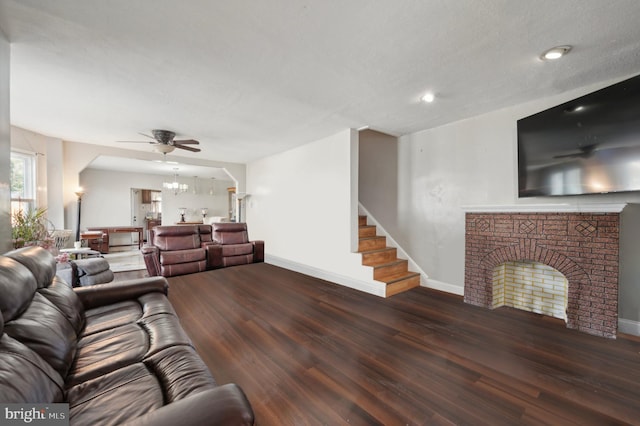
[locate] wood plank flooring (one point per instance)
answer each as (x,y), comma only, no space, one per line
(308,352)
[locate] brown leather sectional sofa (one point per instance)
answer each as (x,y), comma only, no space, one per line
(116,353)
(185,249)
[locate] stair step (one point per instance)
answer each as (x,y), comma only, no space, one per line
(366,231)
(390,269)
(371,243)
(410,280)
(362,220)
(379,256)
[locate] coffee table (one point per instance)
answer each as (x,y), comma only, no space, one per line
(81,252)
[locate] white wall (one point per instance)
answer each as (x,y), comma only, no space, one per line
(471,162)
(5,148)
(303,204)
(107,200)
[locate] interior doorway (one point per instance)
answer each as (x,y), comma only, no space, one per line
(146,209)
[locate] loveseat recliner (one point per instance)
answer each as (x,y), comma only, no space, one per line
(184,249)
(116,353)
(232,246)
(174,250)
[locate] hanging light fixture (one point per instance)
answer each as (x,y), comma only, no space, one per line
(175,186)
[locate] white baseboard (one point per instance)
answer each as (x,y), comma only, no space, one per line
(446,287)
(371,288)
(629,326)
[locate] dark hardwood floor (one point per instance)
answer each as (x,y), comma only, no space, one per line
(308,352)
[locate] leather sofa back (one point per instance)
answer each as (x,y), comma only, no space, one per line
(230,233)
(41,322)
(176,237)
(205,232)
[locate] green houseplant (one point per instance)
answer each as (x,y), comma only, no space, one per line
(30,228)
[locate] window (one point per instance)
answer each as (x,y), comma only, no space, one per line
(23,181)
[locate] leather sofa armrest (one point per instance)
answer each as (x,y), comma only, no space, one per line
(224,405)
(151,256)
(106,294)
(258,251)
(214,255)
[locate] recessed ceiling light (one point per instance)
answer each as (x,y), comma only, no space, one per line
(428,97)
(555,53)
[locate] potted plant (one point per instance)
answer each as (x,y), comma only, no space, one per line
(30,228)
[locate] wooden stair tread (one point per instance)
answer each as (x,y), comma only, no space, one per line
(390,279)
(380,250)
(389,263)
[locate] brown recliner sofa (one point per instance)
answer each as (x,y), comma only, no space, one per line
(185,249)
(174,250)
(116,353)
(232,246)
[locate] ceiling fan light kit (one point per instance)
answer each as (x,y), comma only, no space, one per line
(164,149)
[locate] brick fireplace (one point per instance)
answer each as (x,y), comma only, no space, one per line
(582,245)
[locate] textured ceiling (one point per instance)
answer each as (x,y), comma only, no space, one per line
(252,78)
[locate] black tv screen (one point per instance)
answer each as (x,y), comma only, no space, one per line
(590,145)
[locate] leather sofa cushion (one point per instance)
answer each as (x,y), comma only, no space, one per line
(183,268)
(17,286)
(44,329)
(237,249)
(237,260)
(67,301)
(144,329)
(25,377)
(182,371)
(48,320)
(41,264)
(130,311)
(170,375)
(182,256)
(116,397)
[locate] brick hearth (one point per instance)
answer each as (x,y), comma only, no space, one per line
(584,247)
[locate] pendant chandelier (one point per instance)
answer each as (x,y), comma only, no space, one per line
(175,186)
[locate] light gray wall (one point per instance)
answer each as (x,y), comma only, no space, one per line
(473,162)
(378,177)
(5,147)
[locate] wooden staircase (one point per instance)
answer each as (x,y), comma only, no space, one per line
(384,260)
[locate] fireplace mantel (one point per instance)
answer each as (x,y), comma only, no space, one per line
(547,208)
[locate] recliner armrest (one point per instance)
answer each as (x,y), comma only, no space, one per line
(258,251)
(105,294)
(151,256)
(214,255)
(223,405)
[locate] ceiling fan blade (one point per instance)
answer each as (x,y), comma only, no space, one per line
(568,155)
(187,142)
(188,148)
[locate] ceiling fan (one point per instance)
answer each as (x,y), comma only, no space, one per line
(164,142)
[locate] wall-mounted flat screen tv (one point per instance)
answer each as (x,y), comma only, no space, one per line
(590,145)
